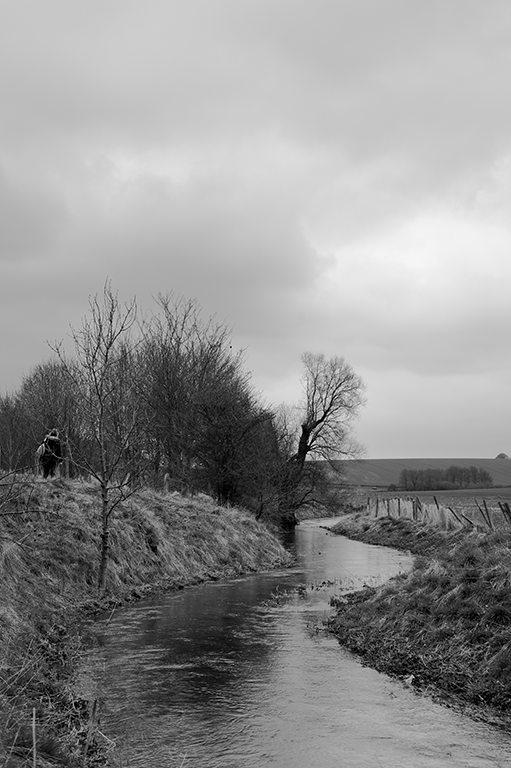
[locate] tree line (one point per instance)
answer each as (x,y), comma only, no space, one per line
(164,400)
(445,479)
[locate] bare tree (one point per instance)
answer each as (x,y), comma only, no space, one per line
(110,412)
(191,377)
(232,447)
(175,340)
(15,450)
(333,396)
(47,399)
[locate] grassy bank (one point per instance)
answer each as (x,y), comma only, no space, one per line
(445,626)
(49,558)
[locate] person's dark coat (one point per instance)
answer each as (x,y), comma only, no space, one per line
(52,455)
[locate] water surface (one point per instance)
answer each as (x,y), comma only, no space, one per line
(242,675)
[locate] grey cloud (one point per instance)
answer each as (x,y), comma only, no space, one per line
(447,416)
(245,270)
(331,73)
(237,152)
(30,218)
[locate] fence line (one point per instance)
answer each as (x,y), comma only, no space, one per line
(481,515)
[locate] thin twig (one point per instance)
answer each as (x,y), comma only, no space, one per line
(12,746)
(112,613)
(34,739)
(92,719)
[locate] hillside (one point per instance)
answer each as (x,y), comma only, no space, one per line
(380,473)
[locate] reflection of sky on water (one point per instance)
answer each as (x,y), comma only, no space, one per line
(228,678)
(324,556)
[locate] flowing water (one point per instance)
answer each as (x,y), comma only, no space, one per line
(241,674)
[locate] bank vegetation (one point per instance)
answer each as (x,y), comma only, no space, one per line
(50,537)
(444,627)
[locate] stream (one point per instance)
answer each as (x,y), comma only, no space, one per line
(241,674)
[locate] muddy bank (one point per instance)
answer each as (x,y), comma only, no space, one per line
(445,627)
(49,547)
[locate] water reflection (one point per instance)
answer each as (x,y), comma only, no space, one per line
(222,676)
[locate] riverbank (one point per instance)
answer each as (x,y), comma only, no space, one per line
(445,627)
(49,544)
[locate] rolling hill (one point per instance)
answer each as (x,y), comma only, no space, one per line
(380,473)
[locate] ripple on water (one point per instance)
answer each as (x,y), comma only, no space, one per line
(227,676)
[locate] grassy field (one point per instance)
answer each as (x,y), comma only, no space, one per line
(49,558)
(378,474)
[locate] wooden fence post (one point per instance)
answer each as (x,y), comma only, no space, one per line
(488,516)
(506,511)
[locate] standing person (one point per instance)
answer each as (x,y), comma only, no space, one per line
(52,455)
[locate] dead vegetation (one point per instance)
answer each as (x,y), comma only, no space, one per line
(49,559)
(447,513)
(446,625)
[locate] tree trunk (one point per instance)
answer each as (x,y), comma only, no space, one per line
(288,521)
(303,445)
(104,540)
(291,480)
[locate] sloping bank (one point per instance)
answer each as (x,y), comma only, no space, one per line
(49,544)
(445,626)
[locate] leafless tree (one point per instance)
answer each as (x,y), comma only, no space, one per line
(110,412)
(175,338)
(191,377)
(48,399)
(15,451)
(232,447)
(333,396)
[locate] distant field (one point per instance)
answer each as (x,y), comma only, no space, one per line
(378,474)
(449,498)
(444,496)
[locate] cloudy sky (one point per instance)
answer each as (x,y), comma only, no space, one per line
(332,176)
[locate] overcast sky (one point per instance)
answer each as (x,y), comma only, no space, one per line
(332,176)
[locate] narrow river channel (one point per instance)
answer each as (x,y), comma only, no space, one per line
(241,674)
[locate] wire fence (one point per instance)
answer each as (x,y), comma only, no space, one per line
(470,513)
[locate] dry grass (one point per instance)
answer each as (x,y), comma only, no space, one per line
(448,511)
(448,622)
(49,558)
